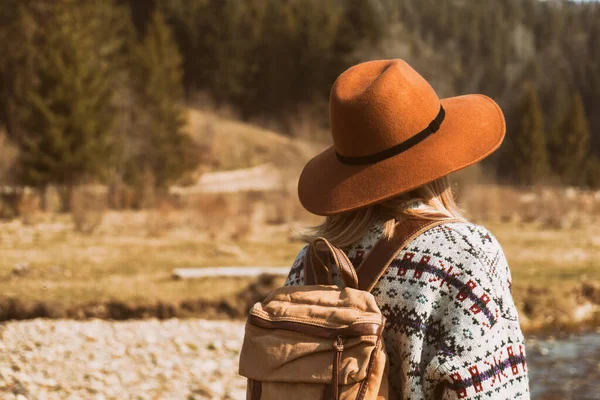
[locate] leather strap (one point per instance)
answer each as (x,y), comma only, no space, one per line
(255,390)
(316,265)
(385,251)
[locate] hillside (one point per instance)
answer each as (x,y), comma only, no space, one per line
(232,144)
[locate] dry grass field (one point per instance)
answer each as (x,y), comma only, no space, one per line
(48,268)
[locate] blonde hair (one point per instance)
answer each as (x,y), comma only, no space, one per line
(433,201)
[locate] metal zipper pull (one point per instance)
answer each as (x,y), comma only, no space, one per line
(338,346)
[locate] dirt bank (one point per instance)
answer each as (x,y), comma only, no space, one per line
(541,310)
(234,306)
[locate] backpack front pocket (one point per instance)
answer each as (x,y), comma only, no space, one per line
(307,361)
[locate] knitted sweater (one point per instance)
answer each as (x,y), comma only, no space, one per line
(452,328)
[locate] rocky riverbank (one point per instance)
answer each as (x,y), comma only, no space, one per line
(150,359)
(197,359)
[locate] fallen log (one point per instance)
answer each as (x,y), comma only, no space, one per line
(217,272)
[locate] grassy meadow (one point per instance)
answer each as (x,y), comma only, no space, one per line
(123,269)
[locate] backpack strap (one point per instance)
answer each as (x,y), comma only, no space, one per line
(316,264)
(385,251)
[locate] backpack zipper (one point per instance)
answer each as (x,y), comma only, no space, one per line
(338,346)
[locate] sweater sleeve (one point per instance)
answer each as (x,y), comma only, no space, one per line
(482,352)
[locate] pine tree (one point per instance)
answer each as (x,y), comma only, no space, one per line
(314,38)
(557,111)
(15,63)
(306,32)
(197,28)
(530,158)
(362,20)
(66,113)
(160,145)
(574,144)
(235,61)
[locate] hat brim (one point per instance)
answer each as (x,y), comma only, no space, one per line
(473,128)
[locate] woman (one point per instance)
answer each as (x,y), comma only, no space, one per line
(452,328)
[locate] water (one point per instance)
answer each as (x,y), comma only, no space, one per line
(564,369)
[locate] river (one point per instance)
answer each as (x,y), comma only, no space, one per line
(565,369)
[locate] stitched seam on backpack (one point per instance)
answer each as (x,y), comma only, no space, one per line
(314,322)
(330,306)
(359,319)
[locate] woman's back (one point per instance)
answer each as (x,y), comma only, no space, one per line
(450,315)
(452,328)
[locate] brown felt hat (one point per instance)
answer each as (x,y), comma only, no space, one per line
(392,134)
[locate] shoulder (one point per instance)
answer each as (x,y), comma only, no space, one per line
(474,239)
(467,268)
(466,245)
(484,249)
(457,251)
(478,239)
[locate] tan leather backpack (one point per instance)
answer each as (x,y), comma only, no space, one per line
(320,341)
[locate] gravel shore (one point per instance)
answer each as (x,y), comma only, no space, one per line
(150,359)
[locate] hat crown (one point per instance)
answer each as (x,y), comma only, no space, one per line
(377,105)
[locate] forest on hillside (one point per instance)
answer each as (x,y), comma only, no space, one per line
(96,91)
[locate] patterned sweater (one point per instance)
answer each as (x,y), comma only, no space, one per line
(452,328)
